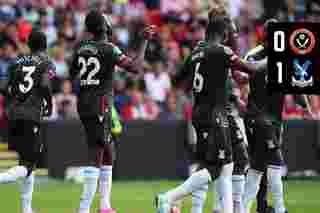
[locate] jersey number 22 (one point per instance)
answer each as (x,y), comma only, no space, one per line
(89,79)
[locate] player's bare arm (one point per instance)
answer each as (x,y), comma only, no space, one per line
(250,67)
(134,65)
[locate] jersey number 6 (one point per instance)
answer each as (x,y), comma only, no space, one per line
(198,80)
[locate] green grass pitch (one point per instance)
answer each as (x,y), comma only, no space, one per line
(137,197)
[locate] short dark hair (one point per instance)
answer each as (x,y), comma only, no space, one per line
(37,41)
(268,22)
(95,22)
(218,22)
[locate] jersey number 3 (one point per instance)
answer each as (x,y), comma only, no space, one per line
(198,80)
(28,81)
(89,79)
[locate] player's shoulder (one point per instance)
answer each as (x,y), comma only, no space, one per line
(43,59)
(220,48)
(44,63)
(200,45)
(86,45)
(89,45)
(114,48)
(254,52)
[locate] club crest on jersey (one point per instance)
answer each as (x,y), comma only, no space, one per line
(302,76)
(101,118)
(35,130)
(222,122)
(222,154)
(205,135)
(239,135)
(271,145)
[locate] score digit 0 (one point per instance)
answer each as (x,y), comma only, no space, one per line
(279,41)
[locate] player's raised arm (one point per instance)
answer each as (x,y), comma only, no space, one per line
(181,78)
(242,65)
(249,67)
(134,65)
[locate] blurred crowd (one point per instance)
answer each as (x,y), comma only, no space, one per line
(181,24)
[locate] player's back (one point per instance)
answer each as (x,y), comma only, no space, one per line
(211,65)
(27,76)
(93,64)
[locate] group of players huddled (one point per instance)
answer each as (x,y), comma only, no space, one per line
(218,134)
(241,155)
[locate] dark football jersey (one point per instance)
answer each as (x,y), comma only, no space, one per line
(261,100)
(28,77)
(93,65)
(207,69)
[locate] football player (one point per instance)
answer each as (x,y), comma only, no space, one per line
(207,71)
(239,146)
(238,135)
(264,126)
(28,85)
(93,65)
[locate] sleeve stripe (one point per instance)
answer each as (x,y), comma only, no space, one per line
(254,51)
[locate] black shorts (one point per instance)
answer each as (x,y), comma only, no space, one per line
(98,129)
(237,136)
(240,158)
(24,138)
(265,140)
(214,148)
(239,146)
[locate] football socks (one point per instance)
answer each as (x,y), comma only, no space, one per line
(105,185)
(276,187)
(91,175)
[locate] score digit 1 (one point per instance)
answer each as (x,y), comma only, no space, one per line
(280,72)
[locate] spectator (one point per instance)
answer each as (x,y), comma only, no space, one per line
(313,11)
(80,14)
(122,91)
(176,108)
(140,108)
(65,103)
(120,7)
(174,7)
(315,107)
(60,63)
(291,109)
(48,29)
(68,29)
(181,25)
(122,32)
(30,14)
(158,83)
(8,51)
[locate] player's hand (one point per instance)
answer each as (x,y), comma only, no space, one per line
(313,116)
(47,109)
(150,32)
